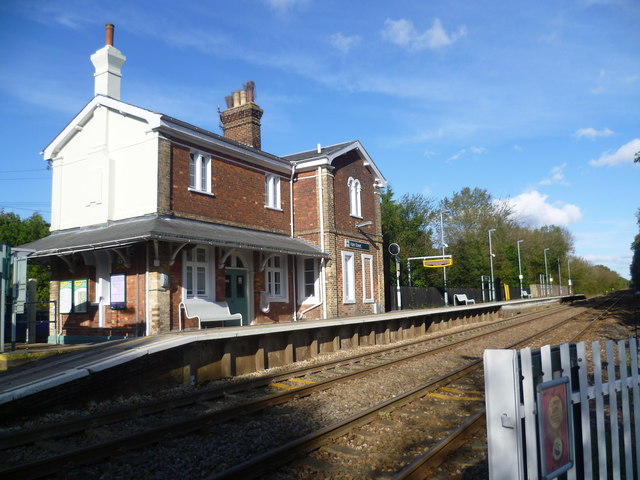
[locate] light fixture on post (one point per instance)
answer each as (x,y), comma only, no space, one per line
(520,268)
(444,269)
(546,273)
(492,293)
(364,224)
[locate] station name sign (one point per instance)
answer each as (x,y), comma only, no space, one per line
(355,245)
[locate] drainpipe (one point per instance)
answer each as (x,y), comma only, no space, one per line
(293,172)
(323,260)
(147,326)
(310,308)
(295,260)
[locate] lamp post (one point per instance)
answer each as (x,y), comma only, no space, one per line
(492,293)
(520,268)
(546,273)
(444,269)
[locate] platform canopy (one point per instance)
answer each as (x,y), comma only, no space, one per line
(169,229)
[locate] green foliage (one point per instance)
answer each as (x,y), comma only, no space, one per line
(635,260)
(15,232)
(407,223)
(414,223)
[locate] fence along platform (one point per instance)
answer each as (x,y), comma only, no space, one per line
(607,447)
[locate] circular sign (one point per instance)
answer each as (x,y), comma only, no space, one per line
(394,249)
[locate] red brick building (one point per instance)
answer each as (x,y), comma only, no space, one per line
(157,223)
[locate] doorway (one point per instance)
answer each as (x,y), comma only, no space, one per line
(235,282)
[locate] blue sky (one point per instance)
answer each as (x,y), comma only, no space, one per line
(536,102)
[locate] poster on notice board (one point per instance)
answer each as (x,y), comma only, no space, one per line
(118,291)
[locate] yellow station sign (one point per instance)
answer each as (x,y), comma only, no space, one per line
(437,262)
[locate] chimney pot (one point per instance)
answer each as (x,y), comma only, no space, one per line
(241,120)
(250,87)
(109,34)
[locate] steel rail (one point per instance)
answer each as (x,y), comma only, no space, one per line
(55,430)
(93,453)
(279,456)
(102,450)
(438,453)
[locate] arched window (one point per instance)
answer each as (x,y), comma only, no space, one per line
(355,206)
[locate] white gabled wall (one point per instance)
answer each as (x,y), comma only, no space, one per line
(107,171)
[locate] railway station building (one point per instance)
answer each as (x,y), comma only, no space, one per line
(153,219)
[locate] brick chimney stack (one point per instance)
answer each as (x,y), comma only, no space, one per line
(108,63)
(241,120)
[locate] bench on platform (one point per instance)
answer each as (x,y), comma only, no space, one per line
(208,312)
(460,298)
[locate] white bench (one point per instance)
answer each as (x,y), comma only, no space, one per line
(208,312)
(459,298)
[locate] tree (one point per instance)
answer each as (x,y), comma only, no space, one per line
(15,232)
(635,260)
(471,214)
(407,223)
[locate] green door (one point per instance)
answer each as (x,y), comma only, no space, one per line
(235,282)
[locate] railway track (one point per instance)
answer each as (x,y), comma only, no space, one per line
(449,449)
(53,438)
(346,450)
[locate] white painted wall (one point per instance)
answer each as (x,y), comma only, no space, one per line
(106,171)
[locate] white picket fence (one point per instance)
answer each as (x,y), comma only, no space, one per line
(606,412)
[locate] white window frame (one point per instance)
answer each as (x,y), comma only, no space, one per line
(272,192)
(200,172)
(355,201)
(270,272)
(348,277)
(302,297)
(367,278)
(194,264)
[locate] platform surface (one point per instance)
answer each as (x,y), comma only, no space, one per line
(70,362)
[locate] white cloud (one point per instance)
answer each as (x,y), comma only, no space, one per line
(533,209)
(472,149)
(557,176)
(517,148)
(624,154)
(284,6)
(456,156)
(403,33)
(343,42)
(592,133)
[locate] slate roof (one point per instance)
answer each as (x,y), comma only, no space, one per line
(155,227)
(309,154)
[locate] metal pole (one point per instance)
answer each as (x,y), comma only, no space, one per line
(559,278)
(492,293)
(444,269)
(398,295)
(4,267)
(569,275)
(546,273)
(409,271)
(520,268)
